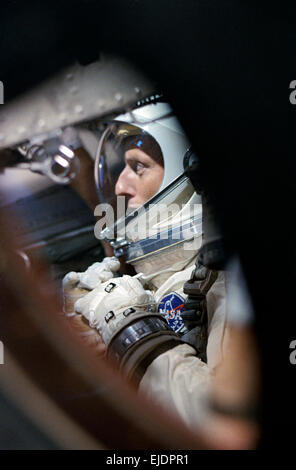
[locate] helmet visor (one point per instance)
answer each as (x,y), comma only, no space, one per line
(130,164)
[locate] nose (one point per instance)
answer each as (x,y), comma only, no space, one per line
(124,185)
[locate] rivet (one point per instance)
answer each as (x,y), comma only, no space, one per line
(101,104)
(118,97)
(78,109)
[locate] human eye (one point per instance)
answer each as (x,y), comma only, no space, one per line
(139,168)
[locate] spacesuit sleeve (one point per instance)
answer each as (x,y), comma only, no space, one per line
(178,379)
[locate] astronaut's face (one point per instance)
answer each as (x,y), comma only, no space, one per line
(140,179)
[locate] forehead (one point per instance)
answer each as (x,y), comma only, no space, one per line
(140,155)
(145,143)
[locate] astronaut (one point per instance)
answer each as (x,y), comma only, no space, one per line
(140,158)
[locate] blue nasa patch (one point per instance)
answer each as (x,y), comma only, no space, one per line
(170,307)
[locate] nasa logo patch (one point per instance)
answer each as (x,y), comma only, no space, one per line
(170,307)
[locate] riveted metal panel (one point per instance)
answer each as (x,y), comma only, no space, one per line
(78,93)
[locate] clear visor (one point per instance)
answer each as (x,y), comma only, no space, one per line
(129,165)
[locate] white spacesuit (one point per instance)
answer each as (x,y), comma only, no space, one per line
(161,240)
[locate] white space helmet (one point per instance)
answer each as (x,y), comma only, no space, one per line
(158,121)
(172,214)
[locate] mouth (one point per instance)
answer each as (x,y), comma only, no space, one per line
(133,205)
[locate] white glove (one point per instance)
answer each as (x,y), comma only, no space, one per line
(113,304)
(76,284)
(94,275)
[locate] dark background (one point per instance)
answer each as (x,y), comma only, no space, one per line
(226,67)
